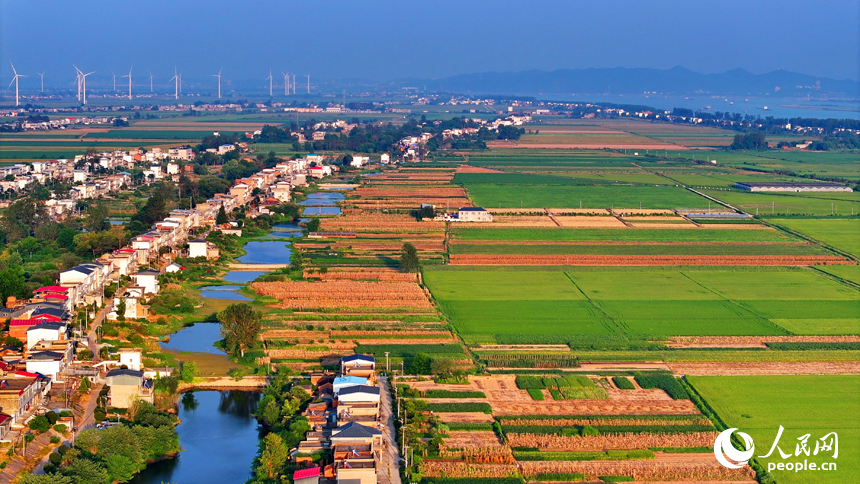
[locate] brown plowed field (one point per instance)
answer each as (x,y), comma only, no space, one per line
(581,222)
(344,294)
(767,368)
(465,417)
(476,169)
(462,440)
(644,260)
(624,441)
(619,242)
(755,340)
(394,192)
(675,467)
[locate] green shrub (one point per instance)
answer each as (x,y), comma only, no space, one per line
(623,383)
(559,476)
(589,431)
(616,478)
(135,339)
(459,407)
(529,382)
(474,426)
(663,381)
(60,428)
(810,346)
(452,394)
(54,439)
(535,394)
(40,424)
(99,415)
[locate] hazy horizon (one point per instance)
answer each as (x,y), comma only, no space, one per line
(392,40)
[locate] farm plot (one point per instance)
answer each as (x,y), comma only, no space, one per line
(586,196)
(814,405)
(529,306)
(332,294)
(776,204)
(842,234)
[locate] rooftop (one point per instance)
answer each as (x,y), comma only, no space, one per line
(305,473)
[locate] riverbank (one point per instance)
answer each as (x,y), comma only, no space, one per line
(247,383)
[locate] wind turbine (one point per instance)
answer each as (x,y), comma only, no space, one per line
(294,83)
(15,80)
(286,83)
(129,81)
(78,80)
(83,78)
(176,79)
(270,82)
(114,80)
(42,77)
(150,81)
(308,75)
(219,81)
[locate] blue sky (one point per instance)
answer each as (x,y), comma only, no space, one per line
(388,39)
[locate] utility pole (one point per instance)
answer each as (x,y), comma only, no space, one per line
(387,366)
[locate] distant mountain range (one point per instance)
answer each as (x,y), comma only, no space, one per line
(619,80)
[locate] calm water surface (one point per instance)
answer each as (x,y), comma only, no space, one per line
(197,338)
(223,292)
(219,436)
(266,252)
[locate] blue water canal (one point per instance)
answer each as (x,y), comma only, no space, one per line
(218,435)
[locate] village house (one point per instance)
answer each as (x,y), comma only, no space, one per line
(126,385)
(357,365)
(20,393)
(147,279)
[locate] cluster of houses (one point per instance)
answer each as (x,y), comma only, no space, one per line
(345,425)
(43,322)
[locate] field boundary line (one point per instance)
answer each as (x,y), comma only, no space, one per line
(758,316)
(836,278)
(813,240)
(593,304)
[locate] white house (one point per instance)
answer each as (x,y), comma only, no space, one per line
(281,191)
(173,267)
(47,331)
(474,214)
(342,382)
(384,158)
(359,394)
(147,279)
(172,169)
(130,357)
(48,363)
(197,248)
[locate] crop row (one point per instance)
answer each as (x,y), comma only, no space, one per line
(664,382)
(597,421)
(643,260)
(811,346)
(572,456)
(408,350)
(469,426)
(623,441)
(606,429)
(623,383)
(459,407)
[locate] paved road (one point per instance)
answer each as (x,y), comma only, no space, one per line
(92,338)
(389,470)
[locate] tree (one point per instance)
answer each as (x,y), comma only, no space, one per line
(749,141)
(221,218)
(120,310)
(12,283)
(426,211)
(273,456)
(409,258)
(189,371)
(313,225)
(421,364)
(240,327)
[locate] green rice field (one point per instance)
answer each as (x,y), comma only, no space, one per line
(642,301)
(815,405)
(842,234)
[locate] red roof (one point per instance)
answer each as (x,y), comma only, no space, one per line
(25,322)
(52,289)
(130,251)
(56,296)
(305,473)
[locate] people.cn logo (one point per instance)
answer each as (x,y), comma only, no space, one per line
(723,445)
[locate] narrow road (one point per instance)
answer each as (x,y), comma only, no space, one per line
(92,337)
(389,466)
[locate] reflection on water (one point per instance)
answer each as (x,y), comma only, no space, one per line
(223,292)
(218,435)
(242,277)
(266,252)
(197,338)
(321,210)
